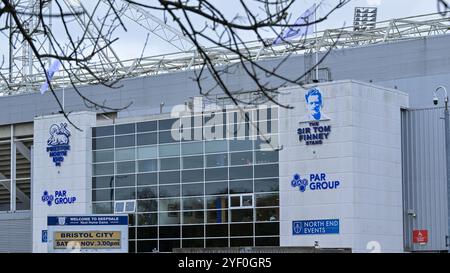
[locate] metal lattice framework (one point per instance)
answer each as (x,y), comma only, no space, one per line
(386,31)
(22,63)
(24,71)
(156,26)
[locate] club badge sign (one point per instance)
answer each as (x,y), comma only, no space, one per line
(58,143)
(314,133)
(88,233)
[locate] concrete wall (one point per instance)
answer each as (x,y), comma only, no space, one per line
(363,153)
(73,176)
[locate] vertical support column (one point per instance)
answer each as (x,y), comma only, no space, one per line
(13,170)
(31,189)
(447,153)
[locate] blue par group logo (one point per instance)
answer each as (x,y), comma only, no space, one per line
(299,182)
(58,198)
(47,198)
(316,181)
(58,143)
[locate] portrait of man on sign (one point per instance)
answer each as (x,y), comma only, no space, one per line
(314,103)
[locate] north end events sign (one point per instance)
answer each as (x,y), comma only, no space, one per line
(315,227)
(88,233)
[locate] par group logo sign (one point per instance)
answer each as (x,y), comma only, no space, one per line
(314,182)
(60,197)
(58,143)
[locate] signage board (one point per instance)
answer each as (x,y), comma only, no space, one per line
(44,236)
(312,132)
(315,227)
(58,144)
(314,182)
(87,239)
(88,233)
(420,236)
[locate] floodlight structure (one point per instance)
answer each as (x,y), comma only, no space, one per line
(365,18)
(24,72)
(188,59)
(22,62)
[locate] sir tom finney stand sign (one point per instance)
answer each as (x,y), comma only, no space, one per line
(312,132)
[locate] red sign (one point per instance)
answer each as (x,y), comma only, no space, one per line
(420,236)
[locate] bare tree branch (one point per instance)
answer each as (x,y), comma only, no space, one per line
(87,37)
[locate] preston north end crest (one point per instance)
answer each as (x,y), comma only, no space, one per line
(58,142)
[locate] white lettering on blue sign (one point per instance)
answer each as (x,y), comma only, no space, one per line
(86,220)
(316,181)
(44,236)
(315,227)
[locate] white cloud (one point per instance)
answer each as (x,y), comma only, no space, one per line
(374,2)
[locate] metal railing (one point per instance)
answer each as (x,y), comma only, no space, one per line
(385,32)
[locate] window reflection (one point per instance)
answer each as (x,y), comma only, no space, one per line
(217,216)
(267,200)
(216,160)
(169,218)
(267,215)
(147,205)
(104,156)
(217,202)
(194,203)
(148,219)
(172,204)
(241,215)
(146,152)
(149,164)
(147,192)
(193,217)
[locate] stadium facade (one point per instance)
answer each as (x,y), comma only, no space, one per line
(358,163)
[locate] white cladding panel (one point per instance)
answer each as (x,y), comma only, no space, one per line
(362,152)
(74,176)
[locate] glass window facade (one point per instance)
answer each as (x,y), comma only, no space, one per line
(190,193)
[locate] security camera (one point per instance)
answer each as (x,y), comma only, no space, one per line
(412,213)
(435,100)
